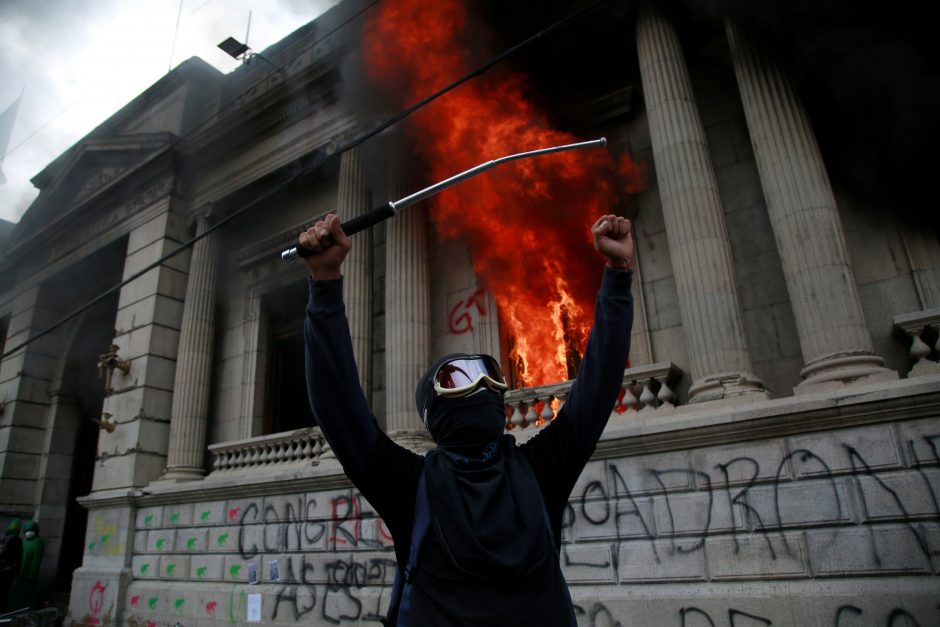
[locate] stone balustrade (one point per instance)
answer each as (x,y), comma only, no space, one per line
(303,447)
(645,388)
(922,329)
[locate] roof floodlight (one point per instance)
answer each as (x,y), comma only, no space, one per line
(234,48)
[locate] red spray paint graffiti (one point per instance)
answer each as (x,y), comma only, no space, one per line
(96,602)
(460,319)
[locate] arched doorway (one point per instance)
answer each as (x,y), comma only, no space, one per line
(76,397)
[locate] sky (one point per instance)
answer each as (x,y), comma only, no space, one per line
(77,62)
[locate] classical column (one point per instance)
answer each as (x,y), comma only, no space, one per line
(190,409)
(353,200)
(407,317)
(837,347)
(719,358)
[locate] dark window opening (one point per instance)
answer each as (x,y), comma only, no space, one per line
(4,325)
(286,405)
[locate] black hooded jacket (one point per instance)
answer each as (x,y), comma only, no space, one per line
(450,588)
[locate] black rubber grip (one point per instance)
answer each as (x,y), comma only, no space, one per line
(359,223)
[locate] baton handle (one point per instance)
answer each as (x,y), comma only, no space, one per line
(359,223)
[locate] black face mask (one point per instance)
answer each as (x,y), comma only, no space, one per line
(469,427)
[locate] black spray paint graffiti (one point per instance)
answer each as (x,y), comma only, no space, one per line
(599,615)
(859,465)
(296,525)
(289,531)
(340,599)
(595,507)
(693,616)
(850,616)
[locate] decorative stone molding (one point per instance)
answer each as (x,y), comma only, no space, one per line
(270,247)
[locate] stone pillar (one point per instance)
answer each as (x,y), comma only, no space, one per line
(147,327)
(407,317)
(353,200)
(190,409)
(836,345)
(24,392)
(719,358)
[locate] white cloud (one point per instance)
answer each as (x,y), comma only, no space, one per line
(81,61)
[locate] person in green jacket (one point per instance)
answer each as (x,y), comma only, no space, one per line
(11,555)
(26,583)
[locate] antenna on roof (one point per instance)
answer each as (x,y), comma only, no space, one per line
(248,30)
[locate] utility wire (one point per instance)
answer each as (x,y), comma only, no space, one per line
(176,32)
(312,167)
(38,130)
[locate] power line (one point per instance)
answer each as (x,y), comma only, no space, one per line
(176,32)
(191,13)
(313,167)
(36,132)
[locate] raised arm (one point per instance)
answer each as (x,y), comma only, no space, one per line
(333,386)
(595,391)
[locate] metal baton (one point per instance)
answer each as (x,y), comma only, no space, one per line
(365,220)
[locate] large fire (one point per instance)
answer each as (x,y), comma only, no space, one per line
(527,223)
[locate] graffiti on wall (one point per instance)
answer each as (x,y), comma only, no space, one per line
(335,566)
(464,312)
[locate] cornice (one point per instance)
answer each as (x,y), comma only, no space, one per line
(311,479)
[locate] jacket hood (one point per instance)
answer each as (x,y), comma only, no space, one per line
(31,525)
(13,528)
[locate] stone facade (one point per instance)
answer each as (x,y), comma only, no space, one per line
(774,457)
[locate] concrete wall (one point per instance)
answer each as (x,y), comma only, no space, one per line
(811,511)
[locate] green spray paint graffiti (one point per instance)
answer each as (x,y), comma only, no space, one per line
(201,571)
(174,518)
(191,544)
(234,570)
(237,605)
(204,516)
(148,520)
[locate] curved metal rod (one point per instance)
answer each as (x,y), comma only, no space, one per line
(389,209)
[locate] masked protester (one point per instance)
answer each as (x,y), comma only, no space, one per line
(11,556)
(26,584)
(490,555)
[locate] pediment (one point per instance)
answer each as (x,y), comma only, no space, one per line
(86,172)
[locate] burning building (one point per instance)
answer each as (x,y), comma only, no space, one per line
(774,451)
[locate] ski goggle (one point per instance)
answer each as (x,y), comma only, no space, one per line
(464,375)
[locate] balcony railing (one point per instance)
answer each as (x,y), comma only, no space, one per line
(922,330)
(645,388)
(278,451)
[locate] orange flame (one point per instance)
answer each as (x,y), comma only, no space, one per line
(527,223)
